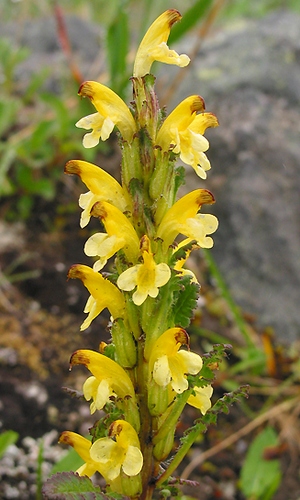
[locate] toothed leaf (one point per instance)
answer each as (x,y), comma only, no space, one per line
(185,301)
(71,486)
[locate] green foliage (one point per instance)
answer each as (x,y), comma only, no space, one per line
(185,301)
(212,360)
(258,8)
(6,439)
(260,476)
(117,40)
(200,426)
(70,486)
(39,471)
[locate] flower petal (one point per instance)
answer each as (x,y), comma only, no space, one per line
(201,399)
(127,281)
(191,361)
(161,371)
(198,227)
(99,391)
(133,461)
(162,275)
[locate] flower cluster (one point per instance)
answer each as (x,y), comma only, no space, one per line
(148,373)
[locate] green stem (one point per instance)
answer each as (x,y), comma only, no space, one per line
(181,453)
(145,434)
(172,415)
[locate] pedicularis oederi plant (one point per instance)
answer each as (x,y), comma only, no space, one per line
(145,377)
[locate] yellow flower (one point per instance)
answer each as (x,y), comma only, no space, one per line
(182,218)
(183,130)
(82,446)
(119,234)
(103,294)
(118,452)
(147,277)
(111,111)
(109,378)
(153,47)
(169,365)
(201,398)
(101,185)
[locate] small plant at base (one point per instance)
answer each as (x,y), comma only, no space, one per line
(150,374)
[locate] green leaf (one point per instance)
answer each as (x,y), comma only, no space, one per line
(118,48)
(8,114)
(201,425)
(43,187)
(57,104)
(185,301)
(70,486)
(6,439)
(8,155)
(260,478)
(189,20)
(41,134)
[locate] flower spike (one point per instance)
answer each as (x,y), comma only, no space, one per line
(147,277)
(101,185)
(103,294)
(153,47)
(111,111)
(143,378)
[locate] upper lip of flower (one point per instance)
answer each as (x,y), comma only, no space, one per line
(102,186)
(179,217)
(103,293)
(153,47)
(104,368)
(110,107)
(82,446)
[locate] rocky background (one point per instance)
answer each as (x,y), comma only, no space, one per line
(249,77)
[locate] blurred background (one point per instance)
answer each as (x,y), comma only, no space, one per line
(245,63)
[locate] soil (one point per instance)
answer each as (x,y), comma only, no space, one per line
(39,323)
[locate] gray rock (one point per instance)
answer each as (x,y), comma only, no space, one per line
(40,37)
(250,78)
